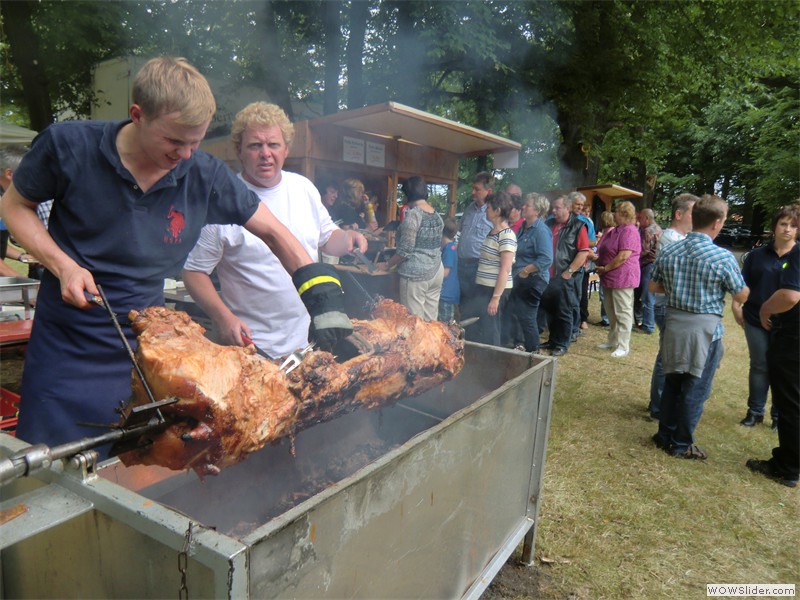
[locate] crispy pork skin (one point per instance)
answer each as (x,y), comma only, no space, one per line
(231,402)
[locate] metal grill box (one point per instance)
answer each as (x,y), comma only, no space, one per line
(425,499)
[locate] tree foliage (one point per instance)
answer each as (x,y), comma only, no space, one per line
(660,96)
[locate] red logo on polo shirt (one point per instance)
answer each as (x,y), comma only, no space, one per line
(176,226)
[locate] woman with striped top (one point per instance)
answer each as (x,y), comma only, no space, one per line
(494,267)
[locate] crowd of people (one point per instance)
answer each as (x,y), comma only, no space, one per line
(516,267)
(524,280)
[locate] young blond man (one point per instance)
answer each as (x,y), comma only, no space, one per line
(130,199)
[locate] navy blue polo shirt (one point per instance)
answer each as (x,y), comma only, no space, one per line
(76,368)
(762,273)
(101,218)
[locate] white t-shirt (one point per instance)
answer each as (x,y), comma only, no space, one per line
(668,237)
(253,283)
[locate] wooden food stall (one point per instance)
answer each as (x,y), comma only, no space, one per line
(382,145)
(386,143)
(602,197)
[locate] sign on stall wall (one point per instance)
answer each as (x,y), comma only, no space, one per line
(376,154)
(358,151)
(353,150)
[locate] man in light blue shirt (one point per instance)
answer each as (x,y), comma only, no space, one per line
(473,229)
(695,274)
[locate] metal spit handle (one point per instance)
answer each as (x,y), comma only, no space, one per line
(143,419)
(35,458)
(112,315)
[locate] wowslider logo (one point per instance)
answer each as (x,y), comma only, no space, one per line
(720,590)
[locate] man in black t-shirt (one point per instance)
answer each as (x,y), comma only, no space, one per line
(780,315)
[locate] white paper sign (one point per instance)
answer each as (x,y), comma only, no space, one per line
(506,160)
(376,154)
(353,150)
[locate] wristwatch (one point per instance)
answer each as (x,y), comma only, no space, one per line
(570,271)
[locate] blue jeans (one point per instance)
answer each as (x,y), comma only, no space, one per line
(523,307)
(489,327)
(757,343)
(603,315)
(648,299)
(657,378)
(682,402)
(577,281)
(447,311)
(470,305)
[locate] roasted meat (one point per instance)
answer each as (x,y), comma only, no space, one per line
(233,402)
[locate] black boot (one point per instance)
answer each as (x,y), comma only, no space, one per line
(752,420)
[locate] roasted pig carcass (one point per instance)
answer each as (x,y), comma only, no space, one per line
(232,402)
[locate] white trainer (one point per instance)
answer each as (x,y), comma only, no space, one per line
(619,353)
(605,346)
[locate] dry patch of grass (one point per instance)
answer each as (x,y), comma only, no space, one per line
(621,519)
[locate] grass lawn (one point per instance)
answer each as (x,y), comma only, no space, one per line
(621,519)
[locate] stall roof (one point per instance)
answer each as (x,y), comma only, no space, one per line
(14,134)
(397,121)
(609,191)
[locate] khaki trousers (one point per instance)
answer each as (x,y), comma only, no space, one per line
(421,298)
(619,307)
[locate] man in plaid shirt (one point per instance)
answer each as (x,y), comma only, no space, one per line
(695,275)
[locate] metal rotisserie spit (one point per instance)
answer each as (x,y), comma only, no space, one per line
(426,498)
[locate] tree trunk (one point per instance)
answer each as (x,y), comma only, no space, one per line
(640,182)
(273,79)
(359,9)
(23,44)
(409,56)
(760,219)
(726,186)
(576,165)
(333,36)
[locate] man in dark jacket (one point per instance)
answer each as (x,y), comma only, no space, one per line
(570,247)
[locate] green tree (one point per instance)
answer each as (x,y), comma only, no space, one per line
(696,96)
(49,49)
(773,158)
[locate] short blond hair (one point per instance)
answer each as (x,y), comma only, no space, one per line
(167,84)
(261,114)
(627,211)
(607,219)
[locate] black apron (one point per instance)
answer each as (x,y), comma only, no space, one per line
(76,367)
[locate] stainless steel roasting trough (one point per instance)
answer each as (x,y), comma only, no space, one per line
(425,499)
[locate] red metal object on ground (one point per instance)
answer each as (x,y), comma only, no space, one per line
(13,334)
(9,408)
